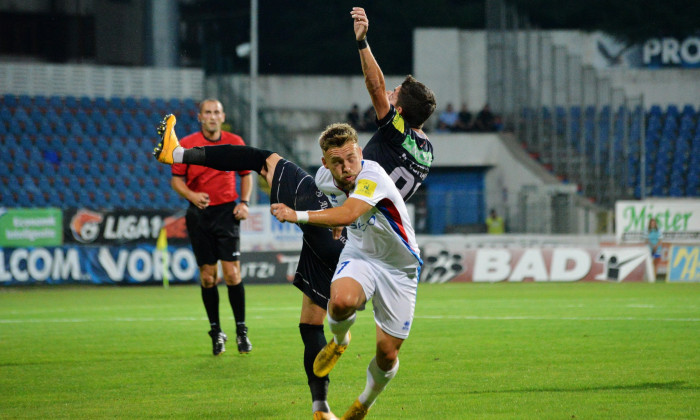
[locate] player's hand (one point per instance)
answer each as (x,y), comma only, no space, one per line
(240,212)
(360,23)
(337,232)
(283,213)
(201,200)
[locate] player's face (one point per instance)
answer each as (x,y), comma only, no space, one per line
(393,95)
(211,116)
(345,163)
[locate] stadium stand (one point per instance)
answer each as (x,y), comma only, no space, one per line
(51,143)
(53,158)
(671,145)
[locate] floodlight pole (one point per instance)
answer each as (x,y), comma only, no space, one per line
(254,84)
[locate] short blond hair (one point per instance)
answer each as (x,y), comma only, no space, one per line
(337,135)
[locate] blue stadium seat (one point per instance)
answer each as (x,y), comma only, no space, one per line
(116,103)
(131,104)
(101,103)
(41,102)
(71,102)
(189,104)
(24,101)
(90,129)
(174,104)
(160,105)
(145,104)
(86,102)
(655,110)
(10,100)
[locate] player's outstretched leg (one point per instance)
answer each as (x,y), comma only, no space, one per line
(163,151)
(224,157)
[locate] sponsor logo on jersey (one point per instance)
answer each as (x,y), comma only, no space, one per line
(365,187)
(423,157)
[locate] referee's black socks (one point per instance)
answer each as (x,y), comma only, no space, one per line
(227,157)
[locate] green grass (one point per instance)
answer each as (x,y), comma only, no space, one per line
(476,351)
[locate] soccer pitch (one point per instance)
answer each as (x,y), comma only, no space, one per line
(476,351)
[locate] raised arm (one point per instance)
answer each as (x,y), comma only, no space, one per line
(374,78)
(332,217)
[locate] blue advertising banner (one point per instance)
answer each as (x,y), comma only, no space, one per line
(129,264)
(683,264)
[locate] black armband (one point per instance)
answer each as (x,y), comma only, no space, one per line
(245,202)
(362,44)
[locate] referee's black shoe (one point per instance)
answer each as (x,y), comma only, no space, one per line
(244,345)
(218,341)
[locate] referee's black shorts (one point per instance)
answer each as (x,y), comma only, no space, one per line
(214,233)
(292,186)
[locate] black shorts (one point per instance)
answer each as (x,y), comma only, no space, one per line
(214,233)
(292,186)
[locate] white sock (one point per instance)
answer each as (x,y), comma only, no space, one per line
(377,380)
(320,406)
(178,153)
(340,328)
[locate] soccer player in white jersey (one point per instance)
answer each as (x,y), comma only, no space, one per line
(380,260)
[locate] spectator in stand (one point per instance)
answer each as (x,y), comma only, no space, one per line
(353,117)
(494,224)
(485,120)
(369,119)
(653,240)
(447,120)
(464,119)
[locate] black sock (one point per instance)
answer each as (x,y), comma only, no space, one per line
(314,340)
(227,157)
(236,297)
(210,297)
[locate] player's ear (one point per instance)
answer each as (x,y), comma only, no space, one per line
(323,160)
(223,117)
(399,110)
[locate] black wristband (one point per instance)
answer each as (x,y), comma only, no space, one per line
(245,202)
(362,44)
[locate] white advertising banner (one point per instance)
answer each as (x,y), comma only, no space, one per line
(678,220)
(261,231)
(453,259)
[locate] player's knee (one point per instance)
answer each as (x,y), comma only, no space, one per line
(232,276)
(208,280)
(342,306)
(386,356)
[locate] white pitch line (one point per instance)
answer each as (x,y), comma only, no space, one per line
(550,318)
(465,317)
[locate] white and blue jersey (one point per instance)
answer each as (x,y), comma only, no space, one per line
(385,232)
(381,252)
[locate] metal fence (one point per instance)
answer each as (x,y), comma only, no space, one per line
(581,127)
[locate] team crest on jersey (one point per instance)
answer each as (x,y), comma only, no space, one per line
(365,187)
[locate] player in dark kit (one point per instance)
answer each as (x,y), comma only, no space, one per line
(213,224)
(320,248)
(400,146)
